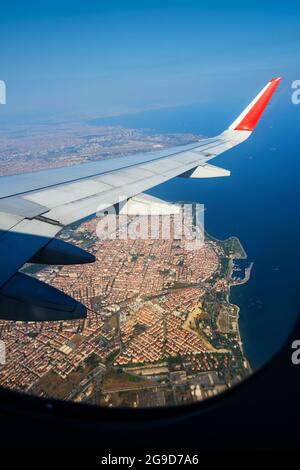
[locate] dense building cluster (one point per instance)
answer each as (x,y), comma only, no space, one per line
(126,273)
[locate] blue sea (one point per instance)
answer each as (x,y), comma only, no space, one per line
(258,203)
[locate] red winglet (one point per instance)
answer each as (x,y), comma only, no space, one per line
(249,121)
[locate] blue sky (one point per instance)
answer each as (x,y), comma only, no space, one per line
(76,59)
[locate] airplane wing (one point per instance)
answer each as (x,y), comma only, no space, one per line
(34,207)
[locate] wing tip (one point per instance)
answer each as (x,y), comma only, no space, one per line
(249,118)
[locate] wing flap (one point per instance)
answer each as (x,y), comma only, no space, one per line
(8,221)
(206,171)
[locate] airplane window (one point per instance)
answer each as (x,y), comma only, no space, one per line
(156,310)
(161,327)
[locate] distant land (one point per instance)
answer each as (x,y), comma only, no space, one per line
(38,147)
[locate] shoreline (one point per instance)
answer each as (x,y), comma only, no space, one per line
(240,341)
(232,284)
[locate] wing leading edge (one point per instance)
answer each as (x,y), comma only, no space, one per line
(34,207)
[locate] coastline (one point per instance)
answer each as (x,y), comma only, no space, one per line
(235,283)
(240,341)
(240,254)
